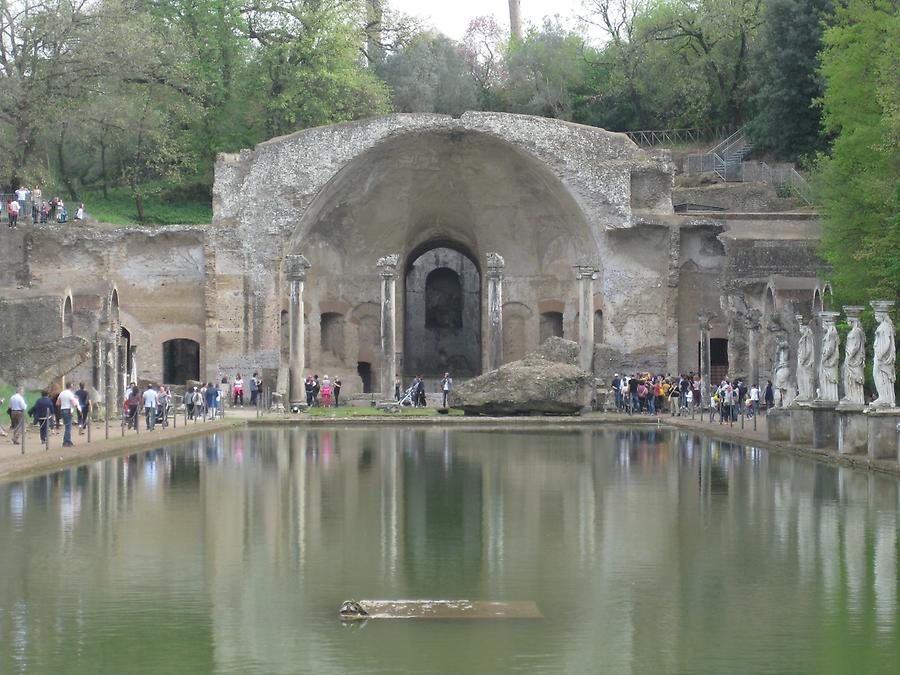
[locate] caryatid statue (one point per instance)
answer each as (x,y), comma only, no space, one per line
(828,364)
(806,363)
(854,370)
(781,373)
(884,371)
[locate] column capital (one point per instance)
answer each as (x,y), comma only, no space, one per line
(882,306)
(853,311)
(753,319)
(388,265)
(585,270)
(704,318)
(296,266)
(828,318)
(495,263)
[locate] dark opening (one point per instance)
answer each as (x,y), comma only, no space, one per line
(551,325)
(68,319)
(718,359)
(181,361)
(285,334)
(364,370)
(332,334)
(443,300)
(598,326)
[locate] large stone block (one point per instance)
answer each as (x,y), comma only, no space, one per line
(825,426)
(853,430)
(883,433)
(778,424)
(801,425)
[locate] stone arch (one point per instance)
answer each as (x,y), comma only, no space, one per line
(442,310)
(68,315)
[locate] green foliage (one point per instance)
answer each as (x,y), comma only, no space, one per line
(786,123)
(430,74)
(164,206)
(859,181)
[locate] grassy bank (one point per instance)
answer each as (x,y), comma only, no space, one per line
(118,208)
(368,411)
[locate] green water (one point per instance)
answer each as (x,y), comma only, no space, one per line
(646,551)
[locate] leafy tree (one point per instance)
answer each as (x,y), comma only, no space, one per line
(859,181)
(546,70)
(431,74)
(787,123)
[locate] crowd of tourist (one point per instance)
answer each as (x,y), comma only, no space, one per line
(644,393)
(325,393)
(42,211)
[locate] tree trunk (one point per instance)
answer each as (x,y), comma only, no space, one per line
(515,19)
(139,205)
(374,43)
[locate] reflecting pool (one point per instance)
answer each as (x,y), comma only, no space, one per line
(647,551)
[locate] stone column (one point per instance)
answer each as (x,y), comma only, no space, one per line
(705,372)
(586,274)
(295,267)
(110,347)
(753,326)
(495,265)
(387,266)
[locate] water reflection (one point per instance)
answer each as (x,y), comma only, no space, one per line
(648,551)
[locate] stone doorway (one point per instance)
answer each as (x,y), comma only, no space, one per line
(442,317)
(181,361)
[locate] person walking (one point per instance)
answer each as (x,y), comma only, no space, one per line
(336,390)
(308,386)
(211,396)
(84,407)
(151,399)
(398,385)
(769,395)
(420,392)
(67,401)
(12,211)
(446,384)
(22,195)
(42,413)
(17,407)
(754,400)
(36,203)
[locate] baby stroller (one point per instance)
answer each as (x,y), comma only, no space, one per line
(408,398)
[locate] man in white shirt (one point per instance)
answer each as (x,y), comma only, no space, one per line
(17,406)
(67,401)
(22,197)
(151,398)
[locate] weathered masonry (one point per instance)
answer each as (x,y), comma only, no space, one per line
(424,243)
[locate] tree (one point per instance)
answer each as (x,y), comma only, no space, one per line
(431,74)
(786,122)
(859,181)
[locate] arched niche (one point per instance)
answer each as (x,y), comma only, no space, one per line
(181,360)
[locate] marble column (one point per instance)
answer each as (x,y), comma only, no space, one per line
(752,322)
(387,267)
(586,274)
(295,268)
(495,265)
(705,372)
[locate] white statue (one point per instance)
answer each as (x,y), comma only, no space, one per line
(806,369)
(828,367)
(781,373)
(884,359)
(854,362)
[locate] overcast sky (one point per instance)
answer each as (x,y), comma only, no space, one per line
(452,18)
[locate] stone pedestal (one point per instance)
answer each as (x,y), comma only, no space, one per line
(882,426)
(853,429)
(801,424)
(824,425)
(778,424)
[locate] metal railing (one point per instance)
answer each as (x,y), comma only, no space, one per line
(783,177)
(654,137)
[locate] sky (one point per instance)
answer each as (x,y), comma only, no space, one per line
(452,18)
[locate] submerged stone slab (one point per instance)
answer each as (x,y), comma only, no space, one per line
(360,610)
(882,427)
